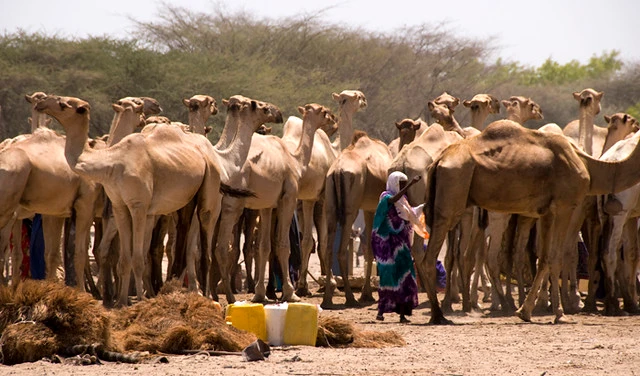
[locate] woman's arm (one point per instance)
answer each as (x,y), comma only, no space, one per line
(398,195)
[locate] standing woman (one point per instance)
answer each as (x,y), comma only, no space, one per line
(390,241)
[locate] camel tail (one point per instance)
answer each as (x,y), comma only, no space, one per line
(235,192)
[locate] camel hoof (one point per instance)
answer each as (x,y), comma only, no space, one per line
(303,291)
(524,316)
(327,304)
(293,298)
(352,303)
(367,298)
(440,320)
(589,308)
(562,319)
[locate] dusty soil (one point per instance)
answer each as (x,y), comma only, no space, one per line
(479,343)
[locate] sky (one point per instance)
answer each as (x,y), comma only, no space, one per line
(528,32)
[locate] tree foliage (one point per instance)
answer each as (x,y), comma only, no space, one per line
(290,62)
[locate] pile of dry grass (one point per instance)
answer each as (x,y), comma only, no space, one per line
(176,321)
(39,319)
(335,332)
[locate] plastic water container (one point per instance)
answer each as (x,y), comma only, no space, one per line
(301,324)
(275,315)
(249,317)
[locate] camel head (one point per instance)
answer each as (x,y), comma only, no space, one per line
(448,100)
(157,119)
(621,125)
(520,109)
(135,104)
(485,102)
(264,130)
(442,114)
(150,105)
(200,108)
(589,100)
(66,110)
(37,119)
(256,112)
(350,100)
(35,97)
(319,115)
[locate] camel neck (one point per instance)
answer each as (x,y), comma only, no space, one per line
(585,131)
(478,117)
(122,125)
(230,130)
(76,143)
(612,177)
(345,127)
(197,122)
(302,154)
(38,120)
(232,157)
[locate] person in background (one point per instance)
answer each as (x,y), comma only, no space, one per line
(391,245)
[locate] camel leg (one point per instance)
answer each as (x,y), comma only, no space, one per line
(306,247)
(209,206)
(231,210)
(262,256)
(343,256)
(320,221)
(249,246)
(16,256)
(124,225)
(518,260)
(52,232)
(170,247)
(105,282)
(498,224)
(192,248)
(326,253)
(283,245)
(147,281)
(367,290)
(5,236)
(140,222)
(628,283)
(470,241)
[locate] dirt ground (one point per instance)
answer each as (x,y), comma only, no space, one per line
(479,343)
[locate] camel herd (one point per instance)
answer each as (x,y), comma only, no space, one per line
(506,199)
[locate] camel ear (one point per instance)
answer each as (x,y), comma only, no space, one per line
(207,129)
(431,105)
(456,102)
(83,109)
(225,102)
(185,101)
(399,124)
(138,108)
(506,103)
(254,105)
(213,108)
(599,95)
(467,103)
(415,126)
(336,97)
(117,108)
(607,119)
(301,110)
(576,95)
(28,98)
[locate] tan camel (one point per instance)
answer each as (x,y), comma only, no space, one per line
(408,130)
(512,169)
(311,189)
(481,106)
(38,161)
(621,212)
(201,107)
(145,174)
(274,174)
(583,131)
(354,182)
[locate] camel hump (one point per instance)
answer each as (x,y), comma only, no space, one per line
(357,135)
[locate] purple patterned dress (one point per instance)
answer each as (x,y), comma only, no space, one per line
(390,241)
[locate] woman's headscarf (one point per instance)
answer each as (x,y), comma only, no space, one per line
(414,215)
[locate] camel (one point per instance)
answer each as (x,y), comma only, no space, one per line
(354,182)
(274,173)
(145,174)
(510,169)
(481,106)
(37,161)
(409,129)
(583,131)
(200,108)
(311,190)
(620,213)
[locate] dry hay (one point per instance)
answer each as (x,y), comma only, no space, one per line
(39,319)
(336,332)
(177,321)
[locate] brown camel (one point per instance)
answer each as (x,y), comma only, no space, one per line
(145,174)
(583,131)
(408,130)
(508,168)
(274,174)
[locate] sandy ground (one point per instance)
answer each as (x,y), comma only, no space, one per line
(479,343)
